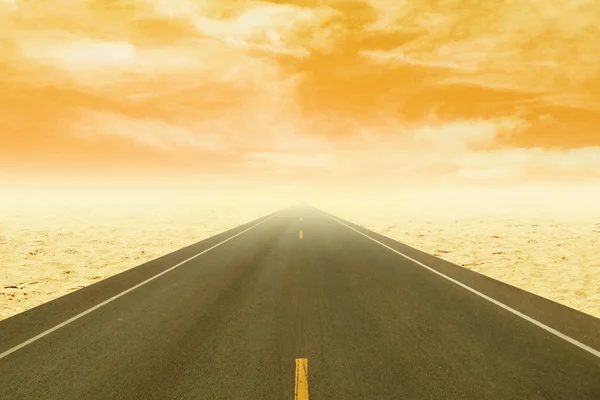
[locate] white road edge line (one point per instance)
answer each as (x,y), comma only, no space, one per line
(470,289)
(105,302)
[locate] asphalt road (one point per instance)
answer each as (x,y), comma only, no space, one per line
(232,323)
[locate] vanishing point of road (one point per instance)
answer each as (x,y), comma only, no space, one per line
(300,303)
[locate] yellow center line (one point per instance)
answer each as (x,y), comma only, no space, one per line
(300,234)
(301,391)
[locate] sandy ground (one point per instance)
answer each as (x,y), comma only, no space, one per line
(50,251)
(45,254)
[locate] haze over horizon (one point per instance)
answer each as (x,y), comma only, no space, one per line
(302,98)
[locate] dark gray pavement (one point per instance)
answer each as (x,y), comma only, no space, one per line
(230,323)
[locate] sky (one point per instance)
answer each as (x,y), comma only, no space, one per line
(327,95)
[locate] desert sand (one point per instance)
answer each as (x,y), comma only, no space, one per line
(48,251)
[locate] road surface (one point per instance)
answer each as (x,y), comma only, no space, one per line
(299,290)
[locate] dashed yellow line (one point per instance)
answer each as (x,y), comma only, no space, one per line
(301,390)
(300,234)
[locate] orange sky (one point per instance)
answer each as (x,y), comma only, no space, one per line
(334,92)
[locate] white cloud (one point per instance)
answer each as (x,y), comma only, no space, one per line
(461,152)
(291,138)
(148,132)
(287,160)
(180,59)
(178,8)
(272,28)
(268,48)
(254,22)
(9,4)
(456,135)
(503,45)
(65,51)
(399,56)
(75,55)
(488,173)
(110,68)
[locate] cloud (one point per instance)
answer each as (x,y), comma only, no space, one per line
(67,52)
(262,26)
(488,174)
(363,90)
(178,8)
(504,45)
(148,132)
(460,152)
(401,57)
(287,160)
(465,134)
(89,62)
(8,5)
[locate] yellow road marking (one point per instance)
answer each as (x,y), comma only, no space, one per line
(301,391)
(300,234)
